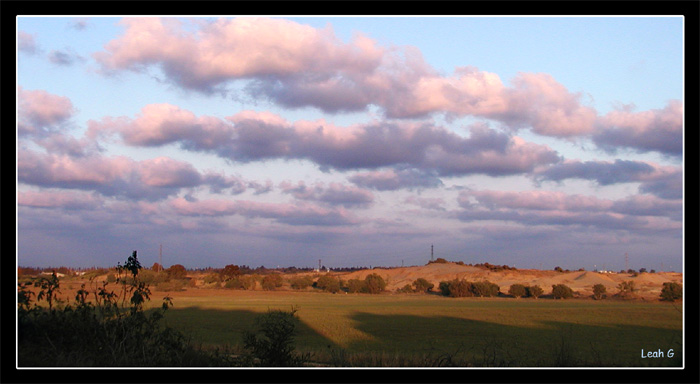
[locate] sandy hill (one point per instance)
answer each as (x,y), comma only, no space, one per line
(649,284)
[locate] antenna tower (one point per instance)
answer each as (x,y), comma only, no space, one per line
(431,253)
(627,262)
(160,258)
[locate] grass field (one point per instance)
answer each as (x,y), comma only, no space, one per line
(394,329)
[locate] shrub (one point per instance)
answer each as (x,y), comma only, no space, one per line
(562,291)
(176,271)
(241,282)
(229,272)
(456,288)
(627,289)
(273,342)
(671,291)
(422,285)
(110,331)
(405,289)
(212,279)
(485,289)
(599,291)
(558,269)
(517,290)
(535,291)
(356,285)
(328,283)
(374,283)
(271,282)
(301,282)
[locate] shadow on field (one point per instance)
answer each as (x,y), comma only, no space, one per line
(463,342)
(551,343)
(214,327)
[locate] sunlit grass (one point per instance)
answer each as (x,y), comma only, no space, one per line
(527,330)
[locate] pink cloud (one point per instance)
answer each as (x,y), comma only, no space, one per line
(254,136)
(537,100)
(39,111)
(58,199)
(233,48)
(292,214)
(654,130)
(296,65)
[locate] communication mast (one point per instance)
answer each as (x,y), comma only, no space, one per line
(160,258)
(431,253)
(627,262)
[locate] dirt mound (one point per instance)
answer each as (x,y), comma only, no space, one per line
(649,284)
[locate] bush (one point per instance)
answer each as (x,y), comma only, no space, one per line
(599,291)
(517,290)
(374,283)
(271,282)
(241,282)
(176,271)
(328,283)
(405,289)
(229,272)
(422,285)
(627,289)
(111,331)
(562,291)
(456,288)
(212,279)
(301,282)
(356,285)
(273,342)
(671,291)
(534,291)
(485,289)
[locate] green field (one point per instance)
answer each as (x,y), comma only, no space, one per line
(389,329)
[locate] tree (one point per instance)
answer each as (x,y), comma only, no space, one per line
(558,269)
(156,267)
(599,291)
(517,290)
(230,271)
(535,291)
(627,289)
(271,282)
(456,288)
(422,285)
(177,271)
(485,289)
(301,282)
(355,285)
(671,291)
(374,283)
(562,291)
(328,283)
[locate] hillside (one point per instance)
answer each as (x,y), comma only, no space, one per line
(648,284)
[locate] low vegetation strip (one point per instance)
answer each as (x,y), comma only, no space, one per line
(323,324)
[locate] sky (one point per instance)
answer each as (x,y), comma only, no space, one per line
(359,141)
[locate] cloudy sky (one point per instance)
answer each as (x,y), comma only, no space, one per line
(361,141)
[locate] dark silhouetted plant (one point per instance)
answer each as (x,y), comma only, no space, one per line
(671,291)
(272,344)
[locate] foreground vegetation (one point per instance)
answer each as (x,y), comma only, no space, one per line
(462,324)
